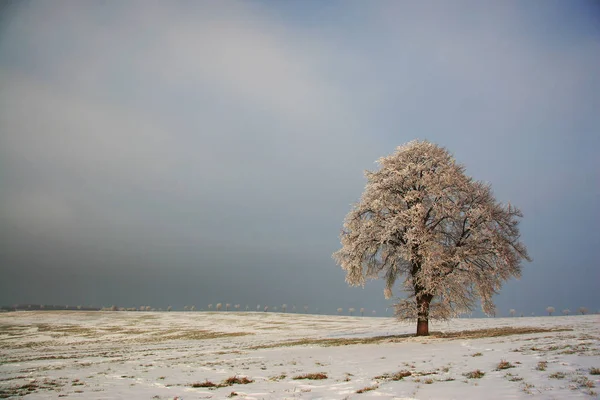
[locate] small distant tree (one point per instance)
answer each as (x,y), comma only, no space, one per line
(351,310)
(362,312)
(185,308)
(237,307)
(340,311)
(266,308)
(583,310)
(305,309)
(247,307)
(512,312)
(193,308)
(275,309)
(148,308)
(566,311)
(293,308)
(114,308)
(258,307)
(284,307)
(550,310)
(421,219)
(219,306)
(210,306)
(169,308)
(227,307)
(374,312)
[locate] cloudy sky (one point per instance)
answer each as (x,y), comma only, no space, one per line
(201,152)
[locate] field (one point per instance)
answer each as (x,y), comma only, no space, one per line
(210,355)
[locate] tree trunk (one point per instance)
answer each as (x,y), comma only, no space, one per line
(423,315)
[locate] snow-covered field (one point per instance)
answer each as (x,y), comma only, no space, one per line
(134,355)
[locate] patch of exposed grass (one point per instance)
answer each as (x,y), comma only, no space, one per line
(312,376)
(467,334)
(396,376)
(513,378)
(503,364)
(478,354)
(205,384)
(496,332)
(278,378)
(557,375)
(235,380)
(428,381)
(594,371)
(542,365)
(477,374)
(583,382)
(367,389)
(197,335)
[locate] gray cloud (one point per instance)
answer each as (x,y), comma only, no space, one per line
(181,152)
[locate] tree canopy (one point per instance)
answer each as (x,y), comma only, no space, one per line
(421,219)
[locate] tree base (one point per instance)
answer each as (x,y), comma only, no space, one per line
(422,328)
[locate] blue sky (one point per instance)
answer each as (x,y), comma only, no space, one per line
(194,152)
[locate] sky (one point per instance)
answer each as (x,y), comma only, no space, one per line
(186,153)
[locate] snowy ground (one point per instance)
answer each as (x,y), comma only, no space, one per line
(123,355)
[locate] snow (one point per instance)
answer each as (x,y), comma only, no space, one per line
(145,355)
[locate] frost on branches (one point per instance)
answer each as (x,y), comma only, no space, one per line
(421,219)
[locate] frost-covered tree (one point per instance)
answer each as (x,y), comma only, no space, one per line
(583,310)
(283,307)
(237,307)
(340,311)
(247,307)
(210,307)
(169,308)
(550,310)
(227,307)
(258,307)
(192,308)
(305,309)
(423,220)
(266,308)
(362,312)
(512,312)
(293,308)
(219,306)
(566,311)
(351,310)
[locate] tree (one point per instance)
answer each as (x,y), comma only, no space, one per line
(550,310)
(169,308)
(237,307)
(219,306)
(227,307)
(351,310)
(422,219)
(283,307)
(512,312)
(305,309)
(340,311)
(210,306)
(582,310)
(566,311)
(362,311)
